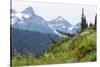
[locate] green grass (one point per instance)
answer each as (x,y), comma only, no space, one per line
(81,48)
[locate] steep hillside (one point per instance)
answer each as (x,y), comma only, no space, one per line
(80,48)
(24,41)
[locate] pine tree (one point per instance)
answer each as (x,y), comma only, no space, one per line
(83,21)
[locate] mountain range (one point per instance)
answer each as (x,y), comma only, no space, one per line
(28,20)
(32,30)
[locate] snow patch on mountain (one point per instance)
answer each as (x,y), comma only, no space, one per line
(75,29)
(22,15)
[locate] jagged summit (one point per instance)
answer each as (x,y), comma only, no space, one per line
(59,18)
(28,10)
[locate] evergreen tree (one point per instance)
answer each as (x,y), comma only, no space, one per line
(83,21)
(95,21)
(90,25)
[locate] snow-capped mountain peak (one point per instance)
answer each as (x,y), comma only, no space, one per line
(28,10)
(60,25)
(28,20)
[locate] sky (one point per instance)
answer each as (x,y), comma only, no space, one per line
(50,11)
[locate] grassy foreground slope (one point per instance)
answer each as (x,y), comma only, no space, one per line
(81,48)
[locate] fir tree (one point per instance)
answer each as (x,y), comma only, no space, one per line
(95,21)
(83,21)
